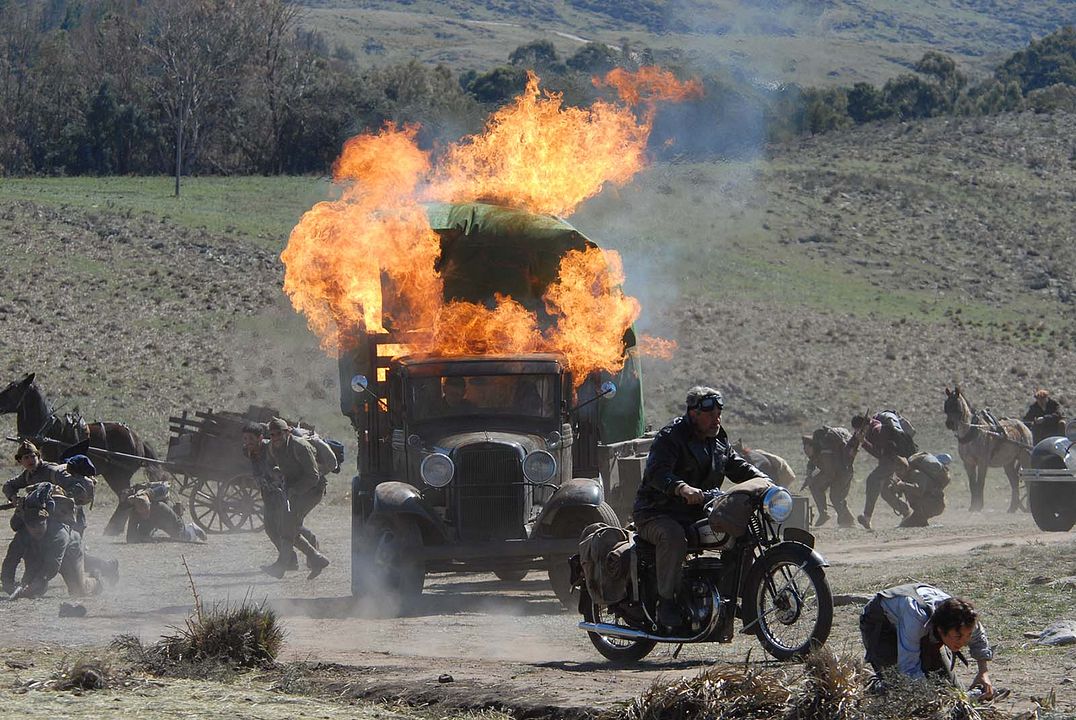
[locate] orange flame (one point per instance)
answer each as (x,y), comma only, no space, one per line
(656,347)
(368,260)
(648,86)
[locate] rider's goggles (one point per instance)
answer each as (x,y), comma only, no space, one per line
(707,403)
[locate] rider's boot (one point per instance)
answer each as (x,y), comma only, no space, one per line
(669,614)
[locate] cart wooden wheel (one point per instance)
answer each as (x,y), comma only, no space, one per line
(243,504)
(220,505)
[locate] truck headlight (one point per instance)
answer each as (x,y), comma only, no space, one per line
(777,502)
(437,470)
(539,466)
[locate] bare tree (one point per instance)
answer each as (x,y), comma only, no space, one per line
(198,50)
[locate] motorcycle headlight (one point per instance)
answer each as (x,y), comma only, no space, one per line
(437,470)
(777,502)
(539,466)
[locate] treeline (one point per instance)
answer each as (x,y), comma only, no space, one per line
(240,87)
(1041,78)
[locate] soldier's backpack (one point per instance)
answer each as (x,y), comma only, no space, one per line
(900,430)
(605,554)
(832,440)
(326,457)
(929,465)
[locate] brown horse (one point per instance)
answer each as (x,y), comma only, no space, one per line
(774,466)
(35,420)
(983,445)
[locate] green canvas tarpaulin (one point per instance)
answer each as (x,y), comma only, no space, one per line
(489,249)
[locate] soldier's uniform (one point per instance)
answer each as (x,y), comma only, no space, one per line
(878,441)
(923,486)
(150,511)
(57,551)
(275,504)
(829,452)
(304,486)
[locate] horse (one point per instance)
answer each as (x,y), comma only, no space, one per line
(773,466)
(35,420)
(984,443)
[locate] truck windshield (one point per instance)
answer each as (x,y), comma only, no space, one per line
(484,395)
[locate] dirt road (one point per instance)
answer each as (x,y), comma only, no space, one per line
(502,643)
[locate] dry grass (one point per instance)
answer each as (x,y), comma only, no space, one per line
(829,687)
(214,641)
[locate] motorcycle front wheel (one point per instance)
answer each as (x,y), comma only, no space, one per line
(619,650)
(788,603)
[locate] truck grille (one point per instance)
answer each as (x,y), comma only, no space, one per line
(490,499)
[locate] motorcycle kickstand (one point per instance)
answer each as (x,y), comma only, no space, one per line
(676,652)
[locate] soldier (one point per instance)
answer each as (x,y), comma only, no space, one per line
(880,440)
(150,511)
(46,547)
(274,498)
(304,487)
(917,628)
(829,452)
(689,455)
(34,471)
(922,480)
(1044,417)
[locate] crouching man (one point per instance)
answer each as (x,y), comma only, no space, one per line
(921,630)
(46,548)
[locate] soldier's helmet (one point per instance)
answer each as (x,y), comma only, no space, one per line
(26,448)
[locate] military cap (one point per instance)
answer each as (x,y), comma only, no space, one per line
(278,424)
(697,394)
(81,465)
(26,448)
(140,503)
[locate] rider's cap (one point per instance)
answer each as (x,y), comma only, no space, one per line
(702,395)
(81,465)
(26,448)
(278,424)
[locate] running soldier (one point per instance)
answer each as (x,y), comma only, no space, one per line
(880,437)
(830,451)
(304,487)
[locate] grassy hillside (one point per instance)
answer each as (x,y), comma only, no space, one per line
(839,41)
(865,269)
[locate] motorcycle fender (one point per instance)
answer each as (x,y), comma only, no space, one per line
(810,556)
(578,492)
(397,498)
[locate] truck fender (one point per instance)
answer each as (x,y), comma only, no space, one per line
(397,498)
(577,492)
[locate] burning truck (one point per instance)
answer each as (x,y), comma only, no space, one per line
(482,461)
(487,355)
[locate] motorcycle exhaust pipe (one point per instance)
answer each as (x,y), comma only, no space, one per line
(630,634)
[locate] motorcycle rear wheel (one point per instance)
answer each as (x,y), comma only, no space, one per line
(618,650)
(790,603)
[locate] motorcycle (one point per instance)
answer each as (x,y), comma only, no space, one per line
(771,578)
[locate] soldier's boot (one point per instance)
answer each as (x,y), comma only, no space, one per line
(292,560)
(276,569)
(314,559)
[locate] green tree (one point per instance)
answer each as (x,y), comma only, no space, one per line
(538,55)
(595,58)
(866,103)
(499,85)
(1043,63)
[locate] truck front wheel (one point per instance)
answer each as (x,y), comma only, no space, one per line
(388,563)
(1053,505)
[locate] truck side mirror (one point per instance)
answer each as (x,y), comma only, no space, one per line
(359,383)
(608,389)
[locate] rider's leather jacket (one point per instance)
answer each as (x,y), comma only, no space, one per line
(679,456)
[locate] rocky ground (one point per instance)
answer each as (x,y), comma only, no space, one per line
(869,269)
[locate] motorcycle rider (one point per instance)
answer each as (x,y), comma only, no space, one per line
(690,455)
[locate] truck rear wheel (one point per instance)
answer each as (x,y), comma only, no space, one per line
(570,525)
